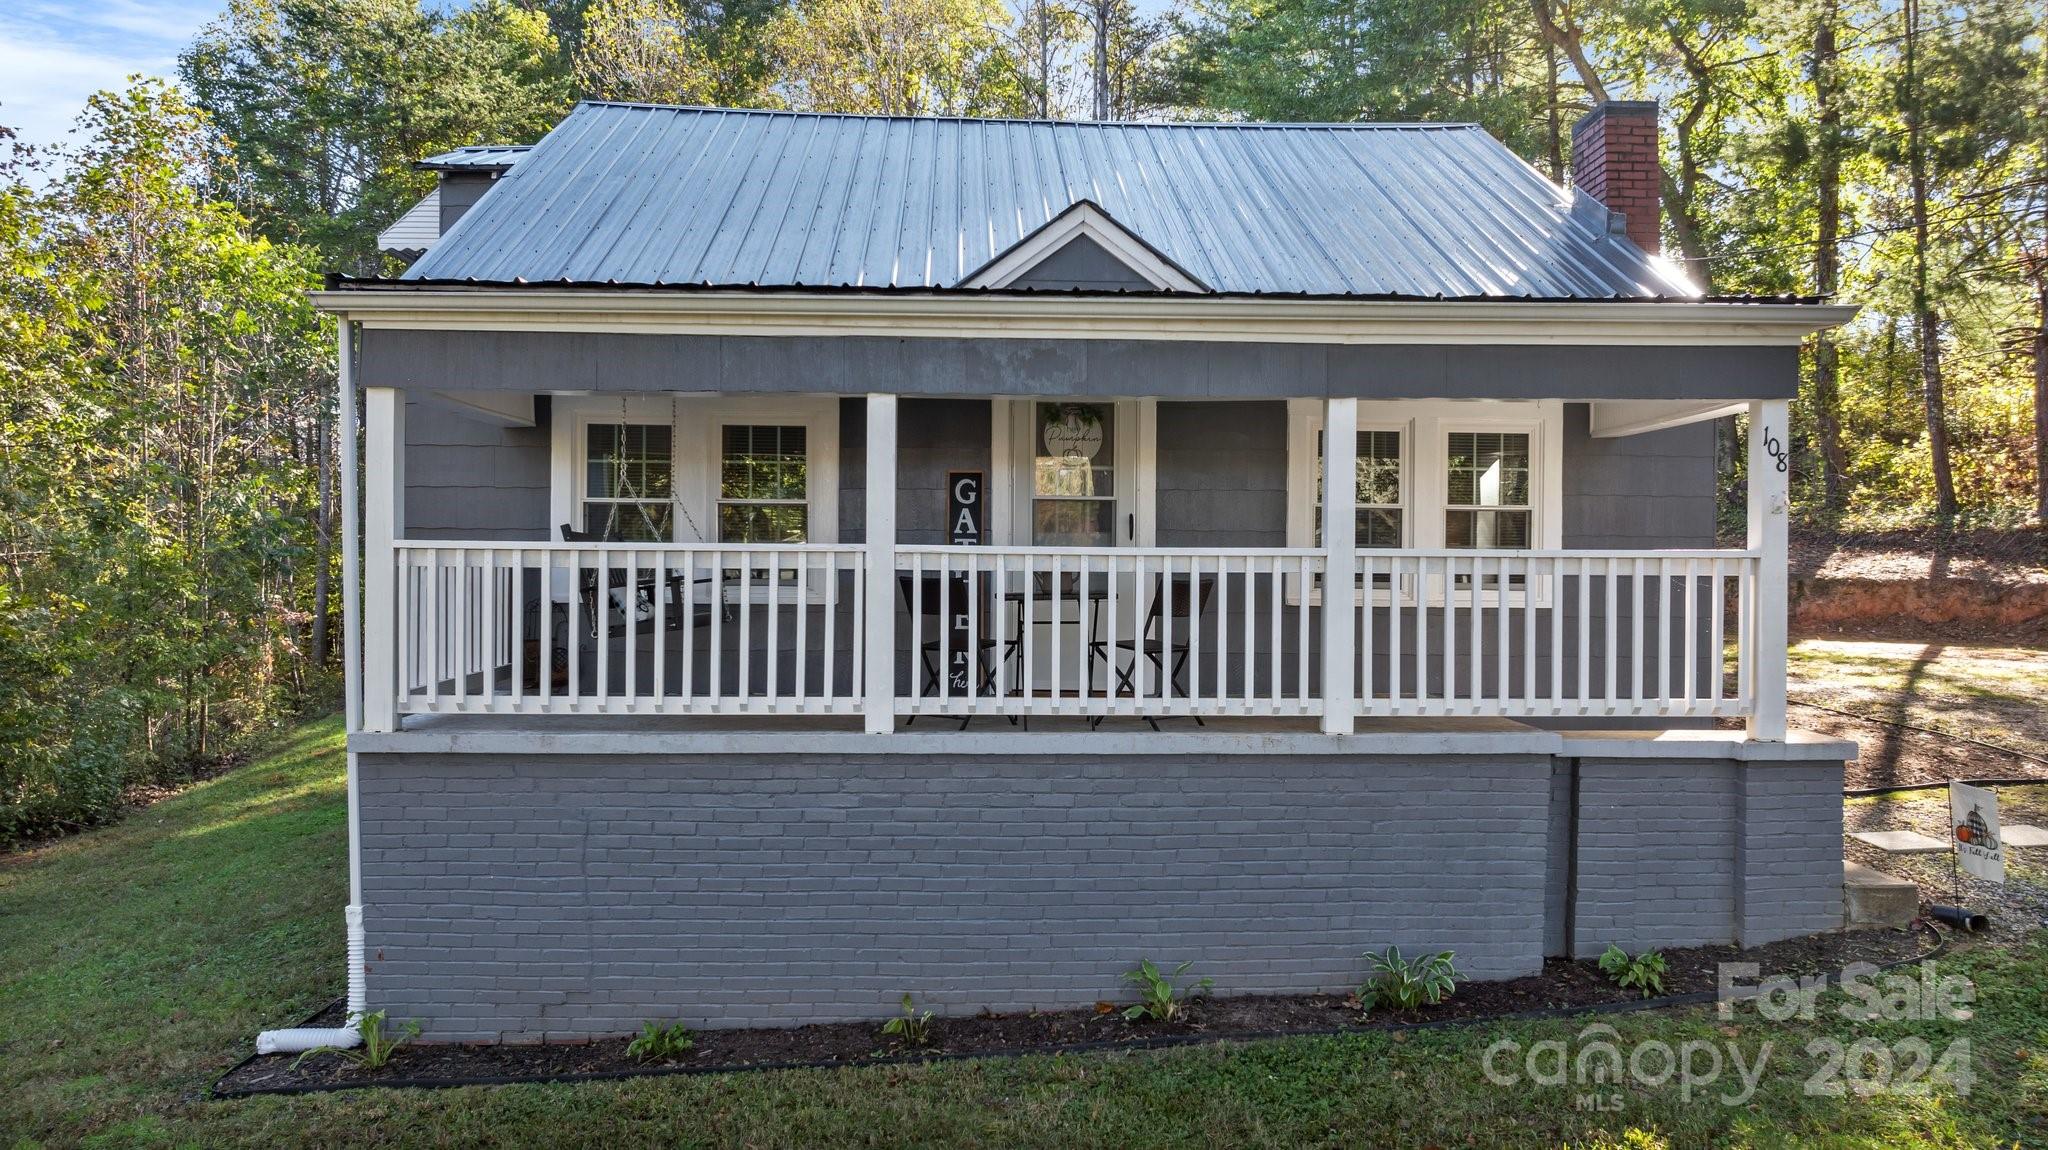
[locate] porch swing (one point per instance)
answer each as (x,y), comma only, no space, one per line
(646,584)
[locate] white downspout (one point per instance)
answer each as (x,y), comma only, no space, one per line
(300,1039)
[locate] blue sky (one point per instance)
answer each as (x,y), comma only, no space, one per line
(54,54)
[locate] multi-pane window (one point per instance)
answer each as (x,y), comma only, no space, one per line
(1073,475)
(1487,492)
(1379,489)
(764,484)
(628,481)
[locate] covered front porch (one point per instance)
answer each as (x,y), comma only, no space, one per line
(1069,584)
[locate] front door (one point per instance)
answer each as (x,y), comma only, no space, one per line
(1080,480)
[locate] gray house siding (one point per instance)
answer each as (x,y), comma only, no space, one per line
(468,478)
(933,437)
(459,192)
(1637,491)
(1085,265)
(589,361)
(513,898)
(1222,474)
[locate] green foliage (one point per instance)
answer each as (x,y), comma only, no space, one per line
(1644,972)
(326,104)
(1406,983)
(378,1044)
(159,441)
(678,52)
(913,1026)
(658,1043)
(1159,998)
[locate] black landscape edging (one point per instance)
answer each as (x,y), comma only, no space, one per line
(1161,1042)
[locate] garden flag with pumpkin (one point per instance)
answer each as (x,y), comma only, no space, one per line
(1973,831)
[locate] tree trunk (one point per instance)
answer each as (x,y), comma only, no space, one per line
(1827,400)
(1102,59)
(1569,38)
(1926,324)
(1553,121)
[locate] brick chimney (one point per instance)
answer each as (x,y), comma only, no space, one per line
(1614,160)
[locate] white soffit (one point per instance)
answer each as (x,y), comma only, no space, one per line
(1084,218)
(1613,418)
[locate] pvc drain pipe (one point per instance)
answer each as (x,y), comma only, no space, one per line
(298,1040)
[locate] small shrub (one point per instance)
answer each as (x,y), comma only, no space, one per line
(378,1045)
(1406,983)
(913,1026)
(1644,972)
(1159,999)
(658,1043)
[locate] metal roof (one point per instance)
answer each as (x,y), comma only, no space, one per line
(477,157)
(646,194)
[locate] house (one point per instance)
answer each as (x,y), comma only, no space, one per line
(809,558)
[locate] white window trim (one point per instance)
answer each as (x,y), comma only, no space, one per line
(1011,451)
(695,446)
(1426,427)
(1305,427)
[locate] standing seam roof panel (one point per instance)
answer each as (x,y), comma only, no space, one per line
(644,194)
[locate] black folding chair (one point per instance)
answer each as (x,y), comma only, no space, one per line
(1186,601)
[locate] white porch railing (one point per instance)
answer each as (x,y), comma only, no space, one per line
(1023,631)
(627,628)
(1554,633)
(1089,632)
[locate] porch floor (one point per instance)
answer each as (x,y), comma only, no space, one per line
(1116,736)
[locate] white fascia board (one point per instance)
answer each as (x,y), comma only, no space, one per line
(952,315)
(1614,418)
(1083,219)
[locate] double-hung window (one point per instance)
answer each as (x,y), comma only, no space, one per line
(628,482)
(1487,501)
(1380,495)
(764,483)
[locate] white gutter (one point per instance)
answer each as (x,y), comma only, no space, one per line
(300,1039)
(1165,316)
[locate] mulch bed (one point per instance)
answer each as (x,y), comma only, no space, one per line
(1563,985)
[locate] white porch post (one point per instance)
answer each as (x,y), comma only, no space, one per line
(1769,511)
(383,523)
(1340,562)
(880,640)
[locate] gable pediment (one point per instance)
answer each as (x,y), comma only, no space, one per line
(1083,248)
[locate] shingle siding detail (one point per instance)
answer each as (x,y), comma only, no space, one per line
(466,478)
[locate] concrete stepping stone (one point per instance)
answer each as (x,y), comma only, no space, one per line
(1902,842)
(2022,835)
(1873,898)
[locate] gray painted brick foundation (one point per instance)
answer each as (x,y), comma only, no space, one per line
(531,897)
(524,897)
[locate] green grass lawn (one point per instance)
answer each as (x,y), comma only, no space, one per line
(139,960)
